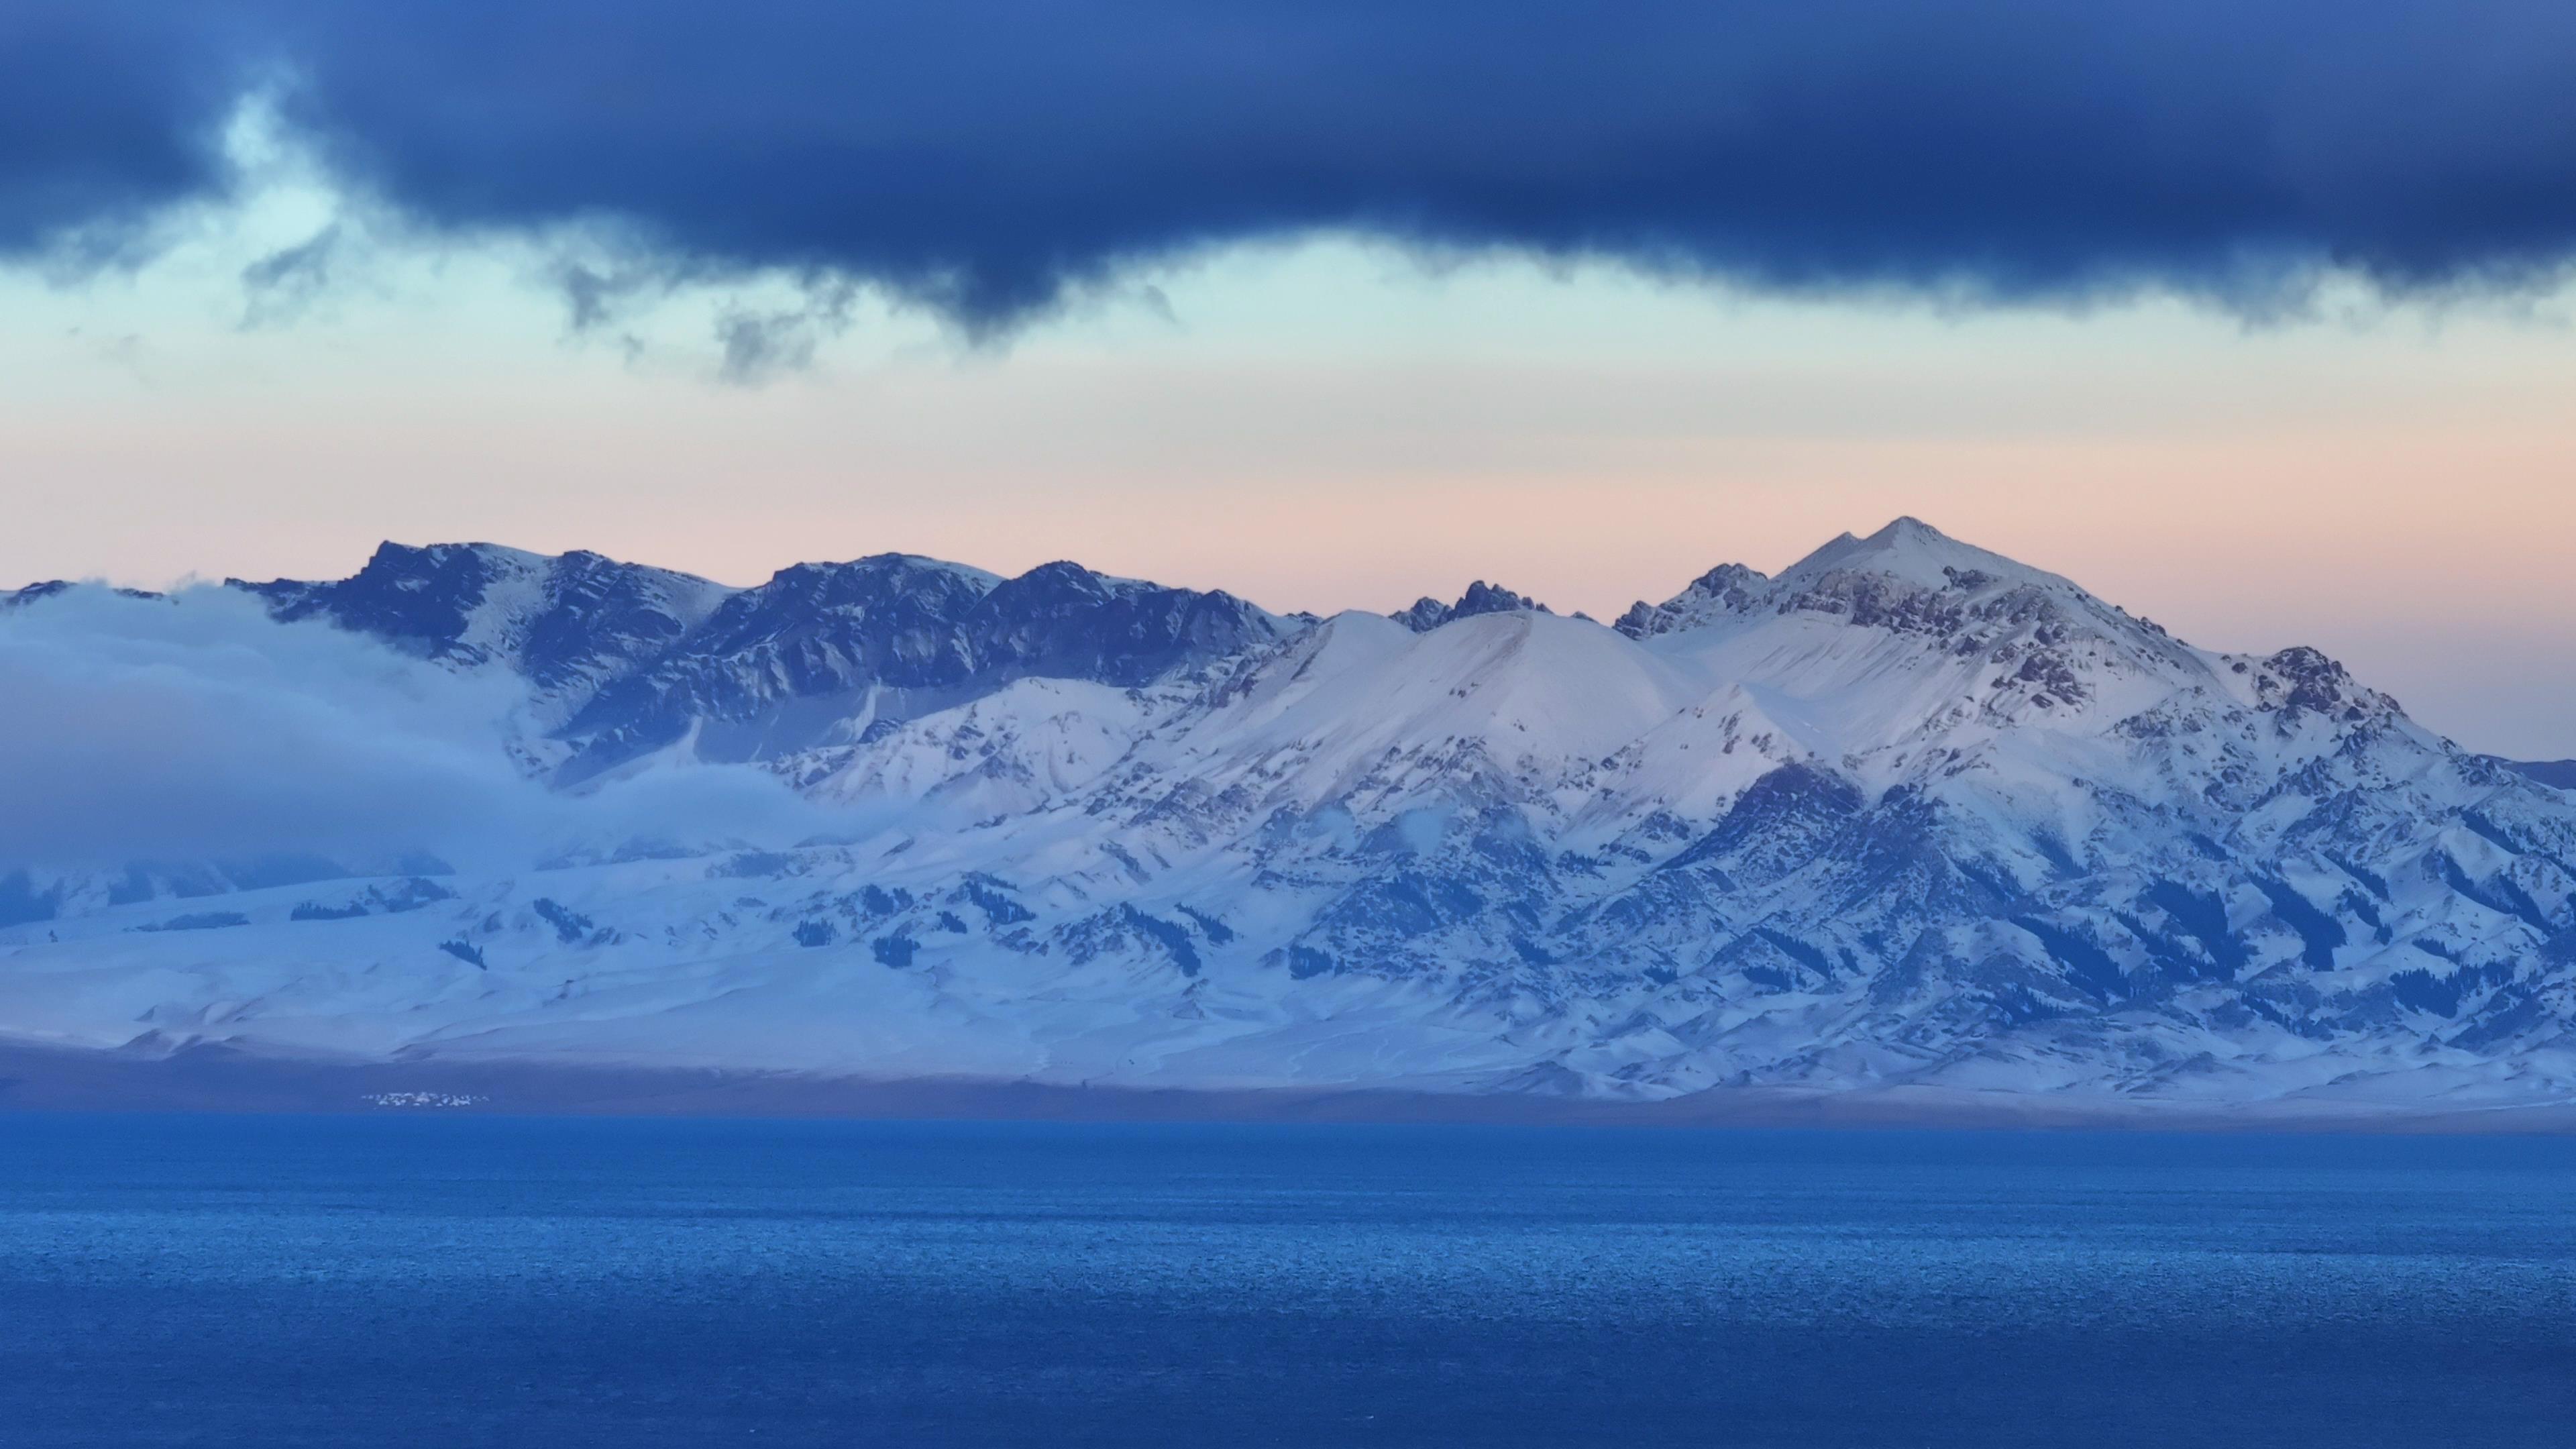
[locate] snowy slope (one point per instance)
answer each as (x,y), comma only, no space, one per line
(1908,813)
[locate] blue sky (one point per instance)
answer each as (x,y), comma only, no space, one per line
(2253,317)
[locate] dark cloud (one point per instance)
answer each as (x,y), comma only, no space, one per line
(279,286)
(108,110)
(761,344)
(983,156)
(595,296)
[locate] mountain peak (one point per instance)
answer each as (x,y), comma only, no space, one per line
(1916,552)
(879,566)
(420,556)
(562,621)
(1913,553)
(1428,613)
(1725,589)
(42,589)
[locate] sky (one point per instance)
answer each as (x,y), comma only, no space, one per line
(2255,318)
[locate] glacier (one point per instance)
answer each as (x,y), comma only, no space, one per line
(1908,817)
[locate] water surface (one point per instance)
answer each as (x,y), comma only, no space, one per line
(459,1280)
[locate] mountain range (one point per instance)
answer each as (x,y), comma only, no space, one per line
(1908,816)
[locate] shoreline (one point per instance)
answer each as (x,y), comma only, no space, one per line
(221,1080)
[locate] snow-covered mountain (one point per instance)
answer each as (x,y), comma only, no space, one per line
(828,653)
(1910,813)
(570,624)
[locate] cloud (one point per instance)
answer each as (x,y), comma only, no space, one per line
(106,116)
(595,296)
(988,157)
(279,286)
(194,729)
(761,344)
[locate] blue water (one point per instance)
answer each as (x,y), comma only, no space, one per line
(423,1280)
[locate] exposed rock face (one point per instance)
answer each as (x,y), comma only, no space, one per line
(1429,613)
(570,624)
(828,653)
(1723,590)
(627,659)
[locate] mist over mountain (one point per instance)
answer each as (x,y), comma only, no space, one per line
(1909,813)
(2558,773)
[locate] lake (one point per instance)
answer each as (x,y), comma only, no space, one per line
(454,1279)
